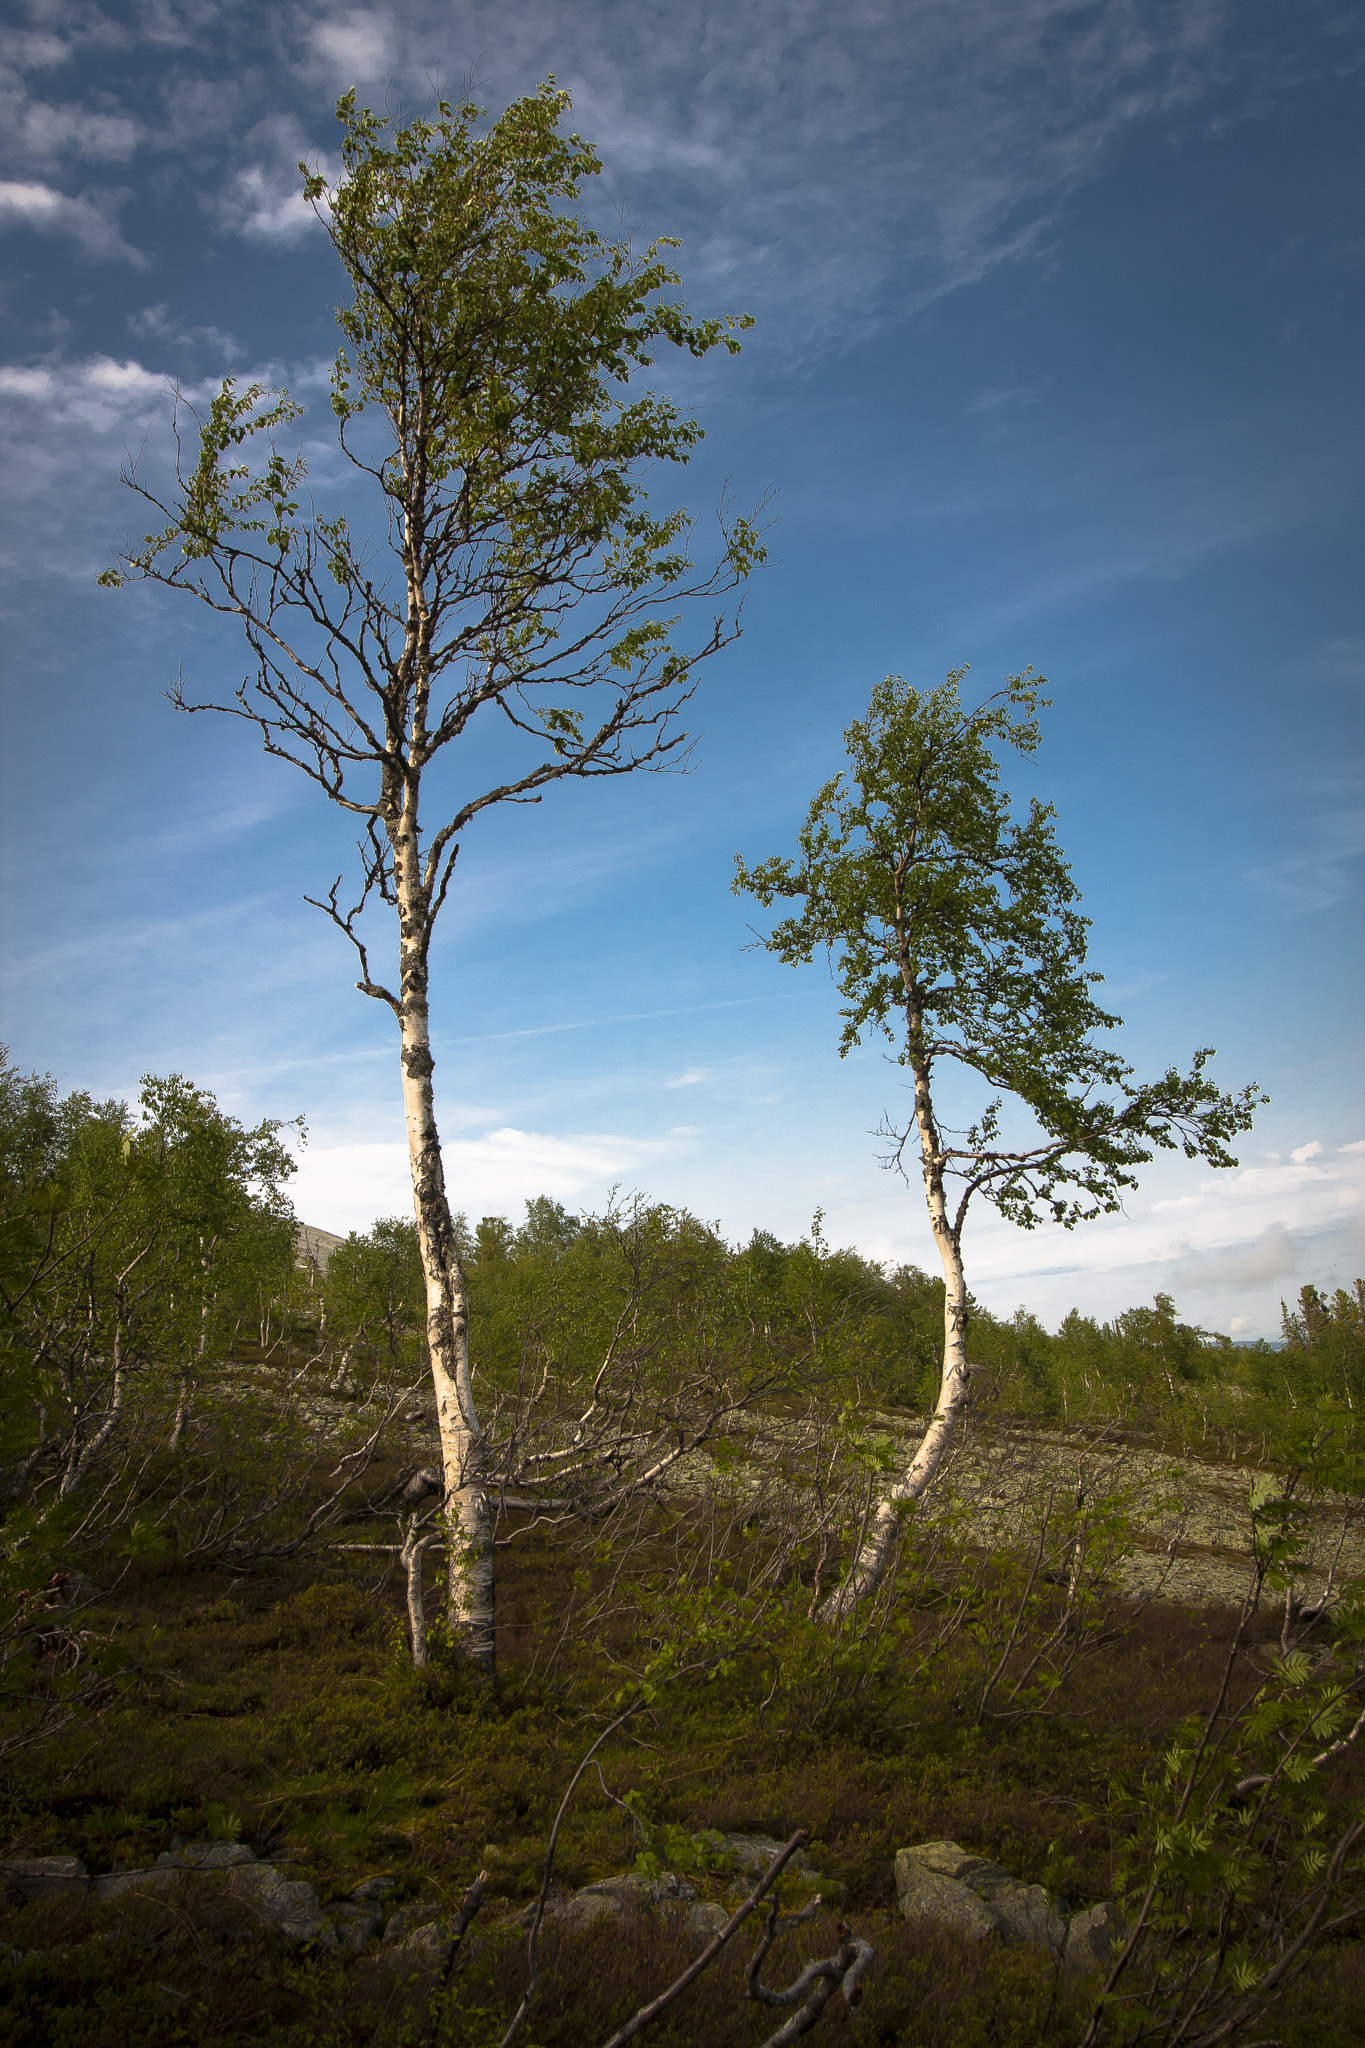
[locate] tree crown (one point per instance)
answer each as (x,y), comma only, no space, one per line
(952,930)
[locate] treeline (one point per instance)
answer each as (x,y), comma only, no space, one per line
(866,1334)
(152,1286)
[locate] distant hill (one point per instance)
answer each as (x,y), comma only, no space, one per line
(315,1247)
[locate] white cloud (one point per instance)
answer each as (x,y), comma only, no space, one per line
(87,220)
(344,1187)
(42,131)
(1268,1257)
(32,51)
(1303,1153)
(98,394)
(355,46)
(689,1078)
(264,200)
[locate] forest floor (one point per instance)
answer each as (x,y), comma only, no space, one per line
(277,1706)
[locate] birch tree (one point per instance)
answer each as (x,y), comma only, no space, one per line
(952,930)
(519,578)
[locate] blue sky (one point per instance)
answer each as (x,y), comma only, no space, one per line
(1055,362)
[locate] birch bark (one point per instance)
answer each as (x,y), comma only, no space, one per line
(879,1543)
(469,1554)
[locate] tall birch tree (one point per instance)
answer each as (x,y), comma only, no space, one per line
(519,577)
(952,930)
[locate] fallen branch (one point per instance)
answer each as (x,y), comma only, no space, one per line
(650,2012)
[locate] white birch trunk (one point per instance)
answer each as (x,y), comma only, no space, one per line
(468,1523)
(878,1546)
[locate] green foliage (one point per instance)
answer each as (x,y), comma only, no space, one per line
(953,932)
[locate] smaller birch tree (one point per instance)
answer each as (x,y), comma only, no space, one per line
(952,930)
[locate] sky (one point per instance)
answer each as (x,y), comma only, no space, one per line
(1055,363)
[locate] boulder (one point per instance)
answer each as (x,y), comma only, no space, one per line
(704,1921)
(206,1856)
(374,1887)
(415,1914)
(288,1906)
(926,1895)
(1093,1937)
(123,1884)
(425,1946)
(355,1925)
(1023,1915)
(39,1877)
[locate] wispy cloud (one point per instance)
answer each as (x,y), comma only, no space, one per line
(158,323)
(87,220)
(689,1079)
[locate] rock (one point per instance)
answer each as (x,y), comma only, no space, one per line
(39,1877)
(588,1905)
(374,1887)
(425,1945)
(205,1856)
(289,1907)
(122,1884)
(408,1917)
(704,1921)
(1028,1916)
(950,1859)
(925,1895)
(356,1926)
(1024,1915)
(1093,1937)
(756,1852)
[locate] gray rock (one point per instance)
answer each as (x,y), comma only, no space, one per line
(374,1887)
(756,1852)
(704,1921)
(39,1877)
(356,1926)
(408,1917)
(1024,1915)
(288,1906)
(630,1888)
(426,1945)
(925,1895)
(122,1884)
(1093,1937)
(205,1856)
(1028,1916)
(591,1904)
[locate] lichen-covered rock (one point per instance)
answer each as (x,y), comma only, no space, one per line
(39,1877)
(1024,1915)
(288,1906)
(704,1921)
(756,1852)
(355,1925)
(122,1884)
(925,1894)
(206,1856)
(1093,1937)
(425,1946)
(1028,1916)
